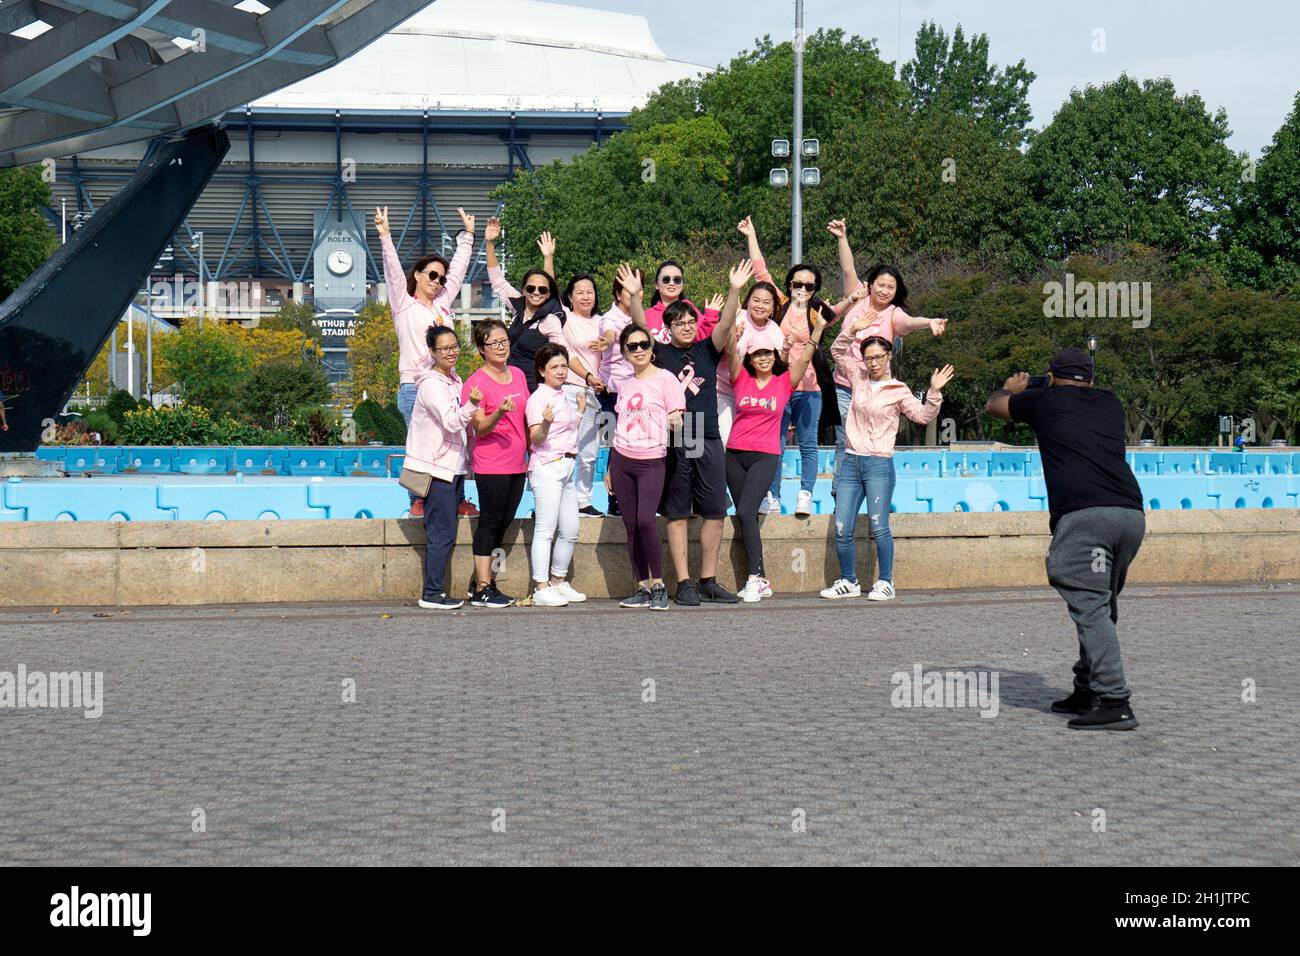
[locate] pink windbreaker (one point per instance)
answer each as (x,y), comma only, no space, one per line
(654,322)
(872,424)
(411,317)
(436,442)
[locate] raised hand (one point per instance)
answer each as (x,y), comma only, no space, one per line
(716,302)
(818,320)
(746,227)
(582,403)
(475,394)
(942,376)
(548,414)
(466,220)
(740,275)
(938,326)
(507,404)
(381,220)
(629,280)
(546,243)
(866,319)
(492,231)
(837,228)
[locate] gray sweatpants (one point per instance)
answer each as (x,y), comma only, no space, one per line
(1087,563)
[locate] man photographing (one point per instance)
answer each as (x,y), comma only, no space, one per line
(1097,521)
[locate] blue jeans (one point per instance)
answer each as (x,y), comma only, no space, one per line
(805,408)
(406,393)
(872,478)
(843,398)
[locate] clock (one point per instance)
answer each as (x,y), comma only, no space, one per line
(339,262)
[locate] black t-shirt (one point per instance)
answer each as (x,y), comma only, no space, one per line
(1081,439)
(696,367)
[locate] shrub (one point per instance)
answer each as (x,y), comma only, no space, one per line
(118,404)
(100,421)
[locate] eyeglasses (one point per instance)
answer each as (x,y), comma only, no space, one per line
(448,349)
(433,276)
(536,289)
(686,321)
(873,359)
(638,346)
(810,286)
(671,280)
(497,344)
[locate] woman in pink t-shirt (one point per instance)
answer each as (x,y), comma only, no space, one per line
(755,323)
(553,431)
(583,343)
(650,405)
(500,454)
(762,385)
(876,308)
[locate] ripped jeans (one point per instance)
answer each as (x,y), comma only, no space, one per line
(869,477)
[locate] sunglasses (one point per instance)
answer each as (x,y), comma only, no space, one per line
(638,346)
(536,289)
(671,280)
(810,286)
(433,276)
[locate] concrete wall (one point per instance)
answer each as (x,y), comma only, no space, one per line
(236,562)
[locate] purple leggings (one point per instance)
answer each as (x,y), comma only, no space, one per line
(639,484)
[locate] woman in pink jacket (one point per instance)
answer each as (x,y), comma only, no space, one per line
(436,446)
(669,288)
(420,300)
(870,427)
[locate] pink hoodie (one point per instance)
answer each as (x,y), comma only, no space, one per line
(411,317)
(872,424)
(654,321)
(435,442)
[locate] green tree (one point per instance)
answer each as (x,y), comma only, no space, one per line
(956,78)
(269,396)
(1134,162)
(1264,242)
(293,317)
(209,364)
(26,239)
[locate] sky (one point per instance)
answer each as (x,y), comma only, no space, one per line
(1242,56)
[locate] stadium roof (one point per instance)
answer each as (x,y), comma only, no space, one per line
(495,55)
(82,74)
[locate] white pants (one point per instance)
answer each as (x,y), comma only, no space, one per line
(588,438)
(726,415)
(555,497)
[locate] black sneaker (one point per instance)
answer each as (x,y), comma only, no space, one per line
(641,599)
(715,592)
(659,598)
(591,511)
(688,595)
(470,590)
(1106,715)
(438,601)
(614,510)
(1079,702)
(489,596)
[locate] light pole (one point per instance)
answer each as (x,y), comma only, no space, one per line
(198,240)
(1092,355)
(796,208)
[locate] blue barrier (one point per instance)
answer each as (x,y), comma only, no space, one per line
(1183,463)
(1008,463)
(311,461)
(1226,463)
(202,461)
(243,501)
(253,461)
(87,458)
(364,498)
(149,459)
(919,464)
(63,501)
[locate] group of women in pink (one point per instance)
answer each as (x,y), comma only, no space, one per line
(700,400)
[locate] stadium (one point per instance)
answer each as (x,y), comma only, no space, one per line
(432,116)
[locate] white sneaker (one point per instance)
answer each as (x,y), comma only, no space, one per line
(803,504)
(842,589)
(764,588)
(771,505)
(549,597)
(569,591)
(881,591)
(752,592)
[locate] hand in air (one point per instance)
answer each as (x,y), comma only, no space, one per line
(941,377)
(492,231)
(381,220)
(740,274)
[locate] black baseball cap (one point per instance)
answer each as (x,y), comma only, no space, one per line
(1074,364)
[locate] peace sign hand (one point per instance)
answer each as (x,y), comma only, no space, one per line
(381,220)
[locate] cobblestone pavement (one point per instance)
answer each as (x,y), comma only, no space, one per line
(535,719)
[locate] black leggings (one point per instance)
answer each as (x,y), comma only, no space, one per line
(639,484)
(498,500)
(749,475)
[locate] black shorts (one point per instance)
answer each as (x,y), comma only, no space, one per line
(696,485)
